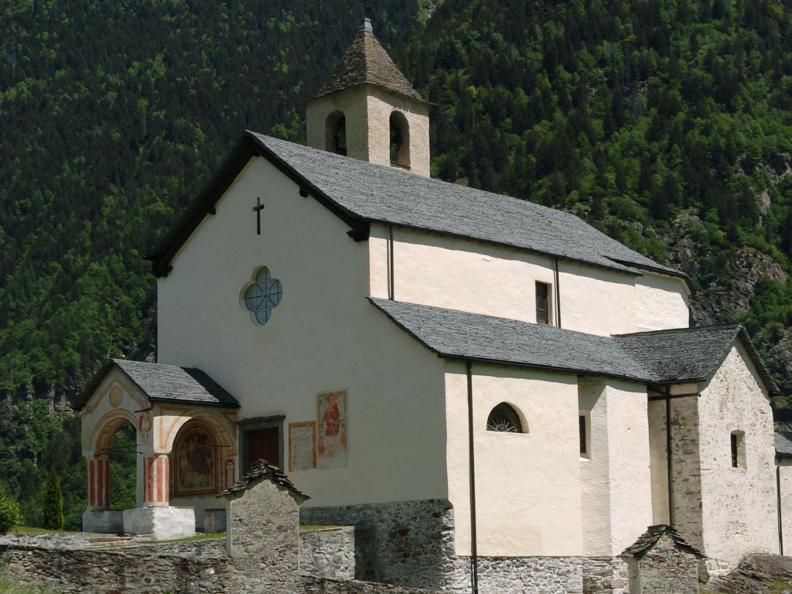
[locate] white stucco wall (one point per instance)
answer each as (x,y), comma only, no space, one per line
(785,486)
(616,489)
(437,270)
(658,452)
(527,485)
(595,499)
(738,504)
(324,336)
(661,302)
(455,273)
(596,300)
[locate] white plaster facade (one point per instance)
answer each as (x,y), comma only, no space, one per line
(785,499)
(616,493)
(408,430)
(527,484)
(738,504)
(468,275)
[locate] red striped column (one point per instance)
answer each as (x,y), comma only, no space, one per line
(156,470)
(98,483)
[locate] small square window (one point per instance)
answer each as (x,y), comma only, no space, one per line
(543,294)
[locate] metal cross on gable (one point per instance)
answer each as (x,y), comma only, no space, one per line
(257,209)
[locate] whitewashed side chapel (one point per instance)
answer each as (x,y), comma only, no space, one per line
(468,378)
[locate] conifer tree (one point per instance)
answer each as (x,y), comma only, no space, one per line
(53,504)
(9,513)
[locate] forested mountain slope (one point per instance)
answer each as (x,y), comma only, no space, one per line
(666,123)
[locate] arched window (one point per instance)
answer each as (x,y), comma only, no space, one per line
(335,133)
(399,140)
(504,418)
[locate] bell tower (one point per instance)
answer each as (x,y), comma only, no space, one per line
(368,110)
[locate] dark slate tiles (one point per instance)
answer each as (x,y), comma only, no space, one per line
(174,383)
(367,62)
(390,195)
(664,357)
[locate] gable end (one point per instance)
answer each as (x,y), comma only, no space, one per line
(245,149)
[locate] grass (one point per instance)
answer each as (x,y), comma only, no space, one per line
(312,527)
(34,530)
(777,586)
(196,538)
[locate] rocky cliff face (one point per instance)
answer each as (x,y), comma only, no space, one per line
(724,282)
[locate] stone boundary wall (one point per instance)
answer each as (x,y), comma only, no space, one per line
(410,543)
(200,549)
(520,575)
(605,575)
(328,552)
(82,571)
(78,571)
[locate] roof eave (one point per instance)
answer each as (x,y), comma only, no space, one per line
(617,267)
(164,400)
(418,98)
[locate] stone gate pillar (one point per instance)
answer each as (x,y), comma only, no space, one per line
(98,483)
(156,480)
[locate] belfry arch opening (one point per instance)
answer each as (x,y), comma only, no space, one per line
(399,140)
(335,133)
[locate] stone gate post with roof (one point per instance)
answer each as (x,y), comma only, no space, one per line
(263,529)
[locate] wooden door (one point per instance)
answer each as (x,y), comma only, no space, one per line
(262,444)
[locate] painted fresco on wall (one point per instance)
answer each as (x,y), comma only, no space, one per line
(194,463)
(333,429)
(302,451)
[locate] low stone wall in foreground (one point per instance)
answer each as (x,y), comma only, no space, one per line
(85,571)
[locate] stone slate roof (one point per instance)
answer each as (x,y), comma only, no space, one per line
(647,357)
(361,193)
(261,470)
(166,383)
(367,62)
(649,538)
(782,445)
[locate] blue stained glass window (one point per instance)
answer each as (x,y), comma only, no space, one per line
(263,296)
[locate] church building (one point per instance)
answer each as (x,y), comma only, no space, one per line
(488,389)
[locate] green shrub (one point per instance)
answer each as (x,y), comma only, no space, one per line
(53,504)
(9,513)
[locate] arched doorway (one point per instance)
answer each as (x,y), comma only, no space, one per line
(122,457)
(114,469)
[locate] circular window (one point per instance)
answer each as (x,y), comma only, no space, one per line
(504,418)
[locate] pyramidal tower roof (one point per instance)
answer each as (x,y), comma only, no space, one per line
(367,62)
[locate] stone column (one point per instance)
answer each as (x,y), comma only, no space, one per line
(98,483)
(156,480)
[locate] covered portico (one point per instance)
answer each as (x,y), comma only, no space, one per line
(186,446)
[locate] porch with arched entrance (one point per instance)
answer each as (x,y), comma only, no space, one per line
(186,448)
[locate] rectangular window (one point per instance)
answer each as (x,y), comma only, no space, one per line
(543,294)
(738,449)
(583,435)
